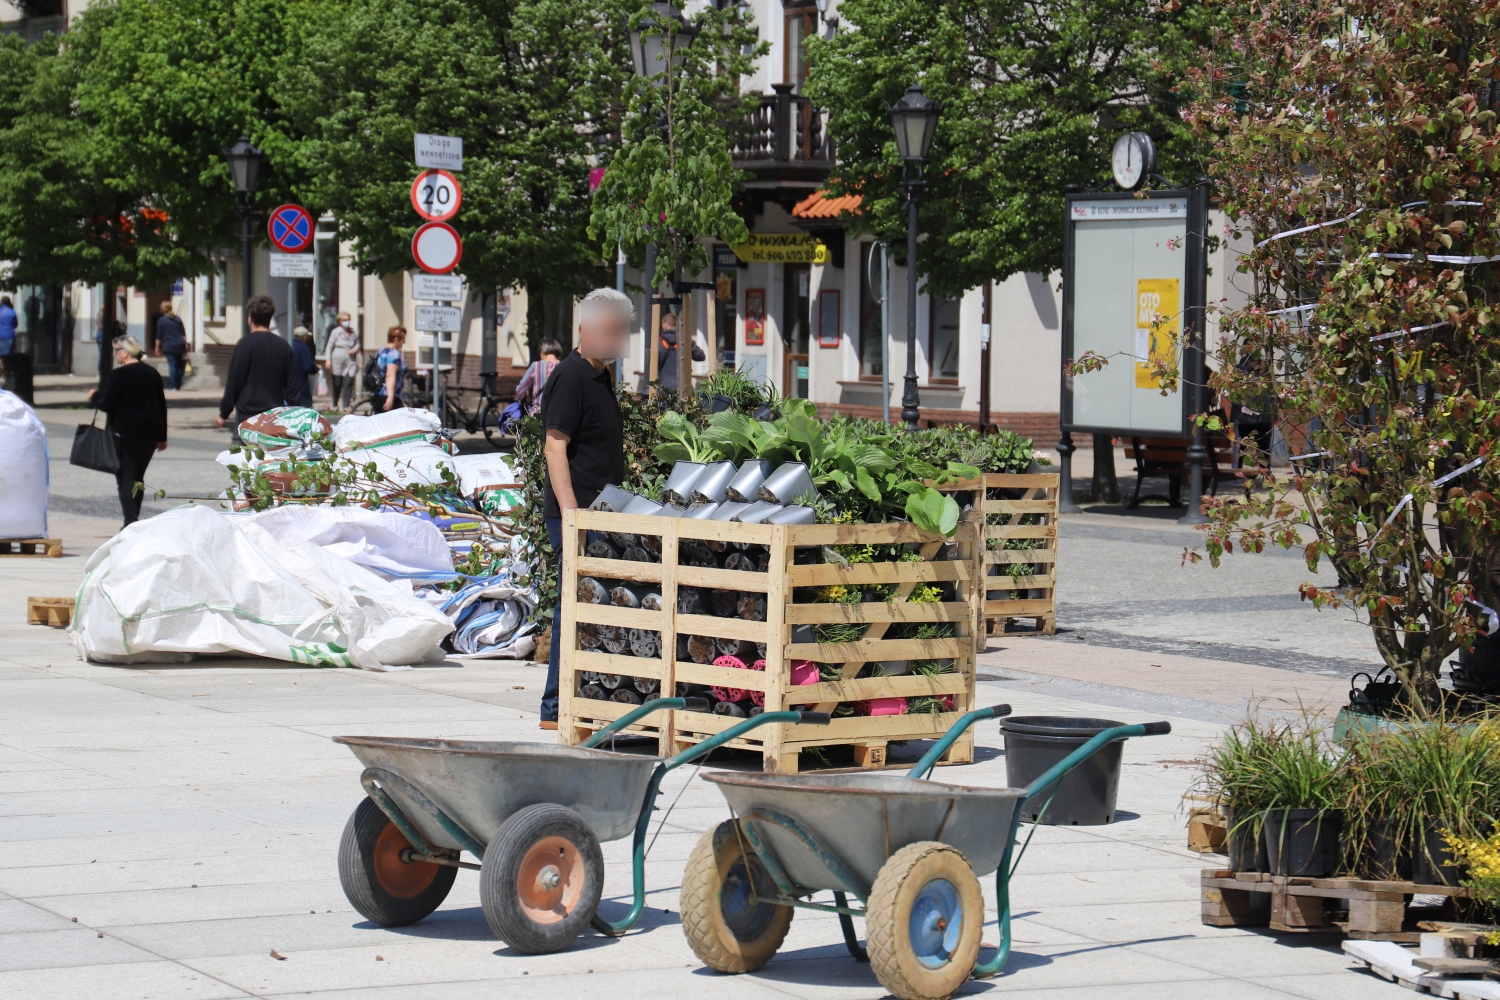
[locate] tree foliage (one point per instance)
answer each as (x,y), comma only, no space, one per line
(1033,96)
(1357,146)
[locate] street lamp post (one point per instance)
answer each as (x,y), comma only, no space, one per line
(244,164)
(914,118)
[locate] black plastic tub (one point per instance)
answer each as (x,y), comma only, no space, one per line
(1086,795)
(1246,846)
(1302,842)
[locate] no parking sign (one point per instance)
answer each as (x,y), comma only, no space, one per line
(291,229)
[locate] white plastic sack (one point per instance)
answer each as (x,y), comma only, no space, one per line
(393,545)
(405,464)
(194,581)
(489,481)
(23,470)
(390,427)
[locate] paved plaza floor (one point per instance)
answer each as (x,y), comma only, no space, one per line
(172,832)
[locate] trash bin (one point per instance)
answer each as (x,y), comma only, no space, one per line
(1086,795)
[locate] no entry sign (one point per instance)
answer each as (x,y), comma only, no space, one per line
(291,229)
(435,195)
(437,248)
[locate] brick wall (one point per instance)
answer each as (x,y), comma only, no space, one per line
(1041,428)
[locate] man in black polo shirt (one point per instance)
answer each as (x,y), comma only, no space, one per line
(585,446)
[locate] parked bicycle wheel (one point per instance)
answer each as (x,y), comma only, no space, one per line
(489,422)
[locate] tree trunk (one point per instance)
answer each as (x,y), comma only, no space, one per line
(1105,487)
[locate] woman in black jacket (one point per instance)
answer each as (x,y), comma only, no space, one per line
(137,407)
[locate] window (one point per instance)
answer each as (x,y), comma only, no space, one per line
(828,318)
(801,24)
(869,312)
(942,341)
(216,291)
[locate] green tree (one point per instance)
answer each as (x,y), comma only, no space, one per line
(1033,96)
(525,83)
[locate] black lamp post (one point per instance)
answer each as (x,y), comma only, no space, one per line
(244,165)
(661,33)
(915,119)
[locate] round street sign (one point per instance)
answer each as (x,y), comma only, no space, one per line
(437,248)
(435,195)
(291,229)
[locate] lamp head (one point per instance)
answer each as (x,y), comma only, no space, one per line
(661,34)
(914,118)
(244,164)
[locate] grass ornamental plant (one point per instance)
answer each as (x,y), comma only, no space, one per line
(1355,154)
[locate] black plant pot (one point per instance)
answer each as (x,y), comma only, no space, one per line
(1301,842)
(1386,859)
(1246,847)
(1434,864)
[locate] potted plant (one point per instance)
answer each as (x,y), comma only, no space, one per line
(1303,780)
(1234,777)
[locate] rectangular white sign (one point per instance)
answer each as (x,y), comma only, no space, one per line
(439,318)
(437,287)
(1130,208)
(293,265)
(440,152)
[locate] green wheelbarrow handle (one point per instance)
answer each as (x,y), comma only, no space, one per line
(656,705)
(929,760)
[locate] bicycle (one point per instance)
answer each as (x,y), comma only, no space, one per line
(492,416)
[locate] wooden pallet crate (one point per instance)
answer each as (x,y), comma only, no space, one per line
(789,618)
(1377,910)
(38,547)
(54,611)
(1032,499)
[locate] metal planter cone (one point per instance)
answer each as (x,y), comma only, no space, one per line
(729,509)
(745,486)
(710,485)
(793,514)
(756,512)
(613,499)
(702,512)
(787,483)
(680,483)
(641,505)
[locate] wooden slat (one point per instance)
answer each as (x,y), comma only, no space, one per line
(1017,480)
(722,628)
(723,579)
(881,649)
(1020,506)
(630,524)
(758,534)
(857,534)
(1023,608)
(879,611)
(865,688)
(860,574)
(1008,531)
(1005,582)
(615,663)
(692,726)
(619,569)
(1004,557)
(609,614)
(706,673)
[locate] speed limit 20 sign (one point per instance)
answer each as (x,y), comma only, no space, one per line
(435,195)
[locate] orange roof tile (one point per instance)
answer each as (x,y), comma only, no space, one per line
(822,205)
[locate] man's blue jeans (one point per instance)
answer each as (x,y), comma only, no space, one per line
(549,694)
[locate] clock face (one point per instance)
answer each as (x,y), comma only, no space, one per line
(1130,159)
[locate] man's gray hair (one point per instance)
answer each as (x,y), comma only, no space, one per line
(606,299)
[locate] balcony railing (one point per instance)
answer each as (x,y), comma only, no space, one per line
(785,128)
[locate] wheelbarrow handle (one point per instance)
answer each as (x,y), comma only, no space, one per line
(736,731)
(929,760)
(655,705)
(1086,751)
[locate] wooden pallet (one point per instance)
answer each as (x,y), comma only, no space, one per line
(40,547)
(1432,968)
(54,611)
(786,609)
(1377,910)
(1033,498)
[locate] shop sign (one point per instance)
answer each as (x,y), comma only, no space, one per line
(782,248)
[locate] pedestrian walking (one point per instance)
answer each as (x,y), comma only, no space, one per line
(585,443)
(7,326)
(666,368)
(262,372)
(303,355)
(136,407)
(529,390)
(390,369)
(171,343)
(341,360)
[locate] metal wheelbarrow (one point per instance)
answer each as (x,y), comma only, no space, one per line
(909,851)
(533,813)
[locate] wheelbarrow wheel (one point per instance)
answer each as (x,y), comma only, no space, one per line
(381,885)
(725,928)
(541,879)
(923,922)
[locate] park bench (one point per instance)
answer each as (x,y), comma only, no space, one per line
(1167,456)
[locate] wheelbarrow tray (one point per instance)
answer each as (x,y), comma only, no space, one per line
(862,819)
(481,784)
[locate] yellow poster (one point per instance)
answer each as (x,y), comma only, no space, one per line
(1158,321)
(782,248)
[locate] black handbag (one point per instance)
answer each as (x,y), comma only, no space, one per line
(94,448)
